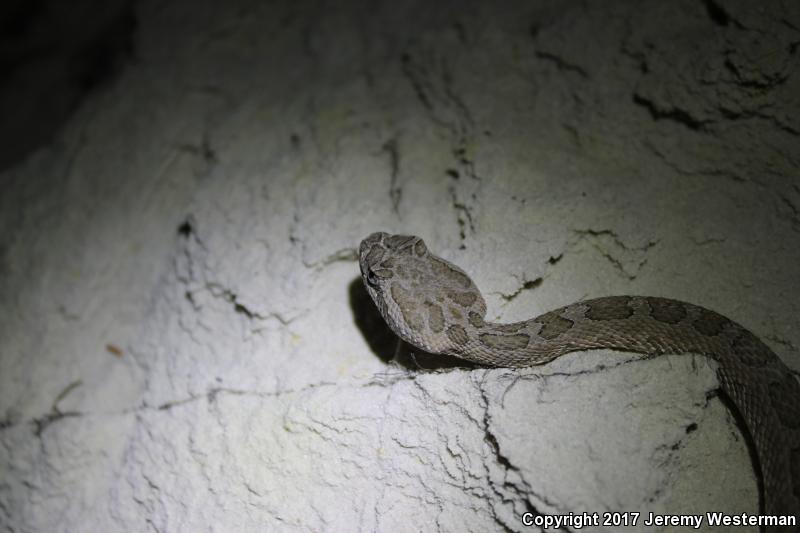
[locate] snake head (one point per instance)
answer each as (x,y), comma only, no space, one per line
(376,252)
(390,265)
(417,293)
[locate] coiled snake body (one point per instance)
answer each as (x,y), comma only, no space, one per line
(435,306)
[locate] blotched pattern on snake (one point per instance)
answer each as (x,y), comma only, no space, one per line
(435,306)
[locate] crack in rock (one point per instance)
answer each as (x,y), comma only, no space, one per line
(526,285)
(562,64)
(521,491)
(216,290)
(42,423)
(596,239)
(343,255)
(672,113)
(395,191)
(433,86)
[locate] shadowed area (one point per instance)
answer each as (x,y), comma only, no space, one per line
(52,55)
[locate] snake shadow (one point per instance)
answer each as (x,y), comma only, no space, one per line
(387,346)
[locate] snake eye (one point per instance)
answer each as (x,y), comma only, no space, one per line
(372,278)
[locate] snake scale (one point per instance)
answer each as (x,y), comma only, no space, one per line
(435,306)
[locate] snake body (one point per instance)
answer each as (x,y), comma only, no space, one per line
(435,306)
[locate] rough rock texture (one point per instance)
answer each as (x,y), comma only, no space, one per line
(185,344)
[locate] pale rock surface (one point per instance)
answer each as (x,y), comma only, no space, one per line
(186,345)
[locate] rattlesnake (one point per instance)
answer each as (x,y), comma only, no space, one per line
(435,306)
